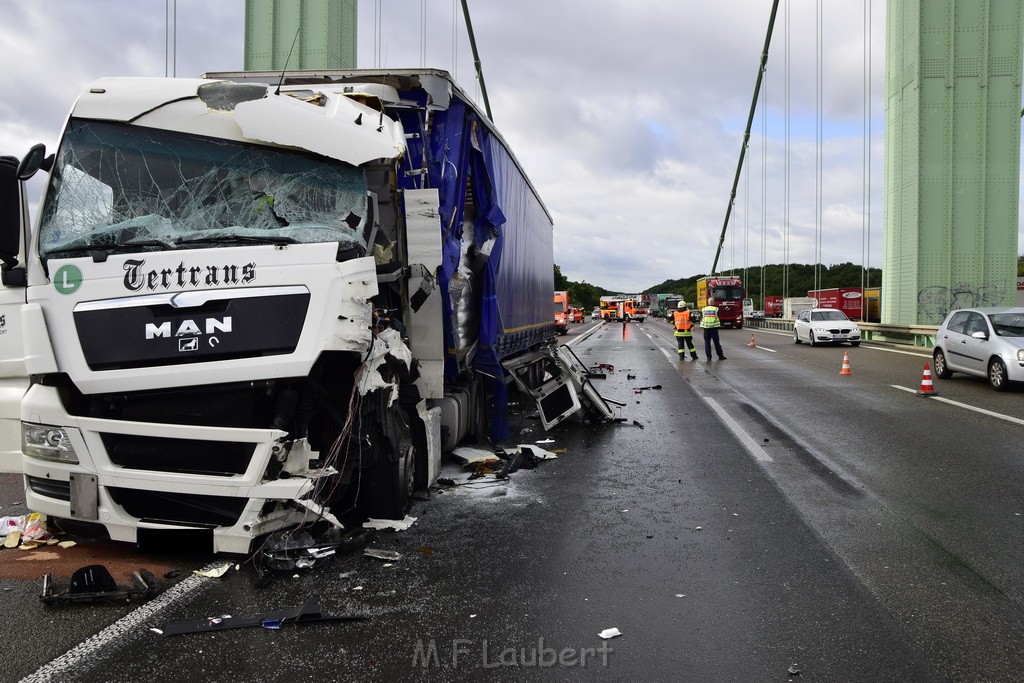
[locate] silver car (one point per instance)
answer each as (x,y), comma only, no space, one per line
(984,342)
(825,326)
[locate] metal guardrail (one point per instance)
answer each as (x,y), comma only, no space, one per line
(913,335)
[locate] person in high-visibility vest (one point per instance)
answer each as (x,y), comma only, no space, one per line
(684,331)
(709,324)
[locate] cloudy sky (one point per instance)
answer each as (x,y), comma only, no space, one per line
(628,115)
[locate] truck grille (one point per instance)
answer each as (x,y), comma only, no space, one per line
(154,331)
(216,458)
(179,508)
(60,490)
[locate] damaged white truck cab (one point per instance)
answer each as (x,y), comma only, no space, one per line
(249,304)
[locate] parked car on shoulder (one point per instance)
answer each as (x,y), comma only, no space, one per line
(825,326)
(983,342)
(595,314)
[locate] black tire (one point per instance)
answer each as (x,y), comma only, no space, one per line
(997,375)
(389,485)
(810,338)
(796,338)
(942,370)
(388,482)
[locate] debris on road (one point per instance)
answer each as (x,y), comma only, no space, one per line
(469,455)
(95,584)
(610,633)
(302,547)
(213,573)
(382,554)
(395,524)
(307,613)
(793,670)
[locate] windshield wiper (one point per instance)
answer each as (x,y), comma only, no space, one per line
(108,248)
(241,239)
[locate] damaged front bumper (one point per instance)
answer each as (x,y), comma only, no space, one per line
(231,507)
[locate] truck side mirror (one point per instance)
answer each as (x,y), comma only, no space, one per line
(34,159)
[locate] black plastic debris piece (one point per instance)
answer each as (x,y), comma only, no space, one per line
(793,670)
(302,547)
(630,376)
(637,423)
(95,584)
(513,461)
(305,614)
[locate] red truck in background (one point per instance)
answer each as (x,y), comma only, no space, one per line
(849,300)
(773,307)
(728,293)
(562,312)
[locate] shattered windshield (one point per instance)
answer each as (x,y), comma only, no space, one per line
(115,185)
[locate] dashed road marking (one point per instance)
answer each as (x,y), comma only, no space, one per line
(1015,420)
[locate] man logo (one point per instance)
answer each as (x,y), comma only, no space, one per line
(188,328)
(188,344)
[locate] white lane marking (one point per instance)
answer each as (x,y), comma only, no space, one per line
(751,445)
(586,334)
(72,660)
(1015,420)
(765,348)
(667,353)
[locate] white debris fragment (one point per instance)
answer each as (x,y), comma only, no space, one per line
(468,455)
(214,572)
(697,528)
(358,588)
(545,441)
(610,633)
(680,595)
(396,524)
(156,630)
(382,554)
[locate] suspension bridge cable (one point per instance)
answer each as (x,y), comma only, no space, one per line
(764,187)
(746,132)
(785,173)
(819,67)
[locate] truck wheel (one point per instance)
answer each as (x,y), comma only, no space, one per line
(389,485)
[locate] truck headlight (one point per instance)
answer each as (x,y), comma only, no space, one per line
(46,442)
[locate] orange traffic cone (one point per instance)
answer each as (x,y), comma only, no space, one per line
(927,389)
(846,364)
(752,344)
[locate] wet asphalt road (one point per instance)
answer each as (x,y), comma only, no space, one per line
(713,564)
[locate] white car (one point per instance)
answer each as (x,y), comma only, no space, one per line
(825,326)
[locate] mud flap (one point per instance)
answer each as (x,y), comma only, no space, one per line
(559,383)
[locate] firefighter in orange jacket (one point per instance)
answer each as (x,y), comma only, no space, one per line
(684,331)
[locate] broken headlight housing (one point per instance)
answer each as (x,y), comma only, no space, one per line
(47,442)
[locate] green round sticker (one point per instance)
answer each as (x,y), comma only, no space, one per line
(67,279)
